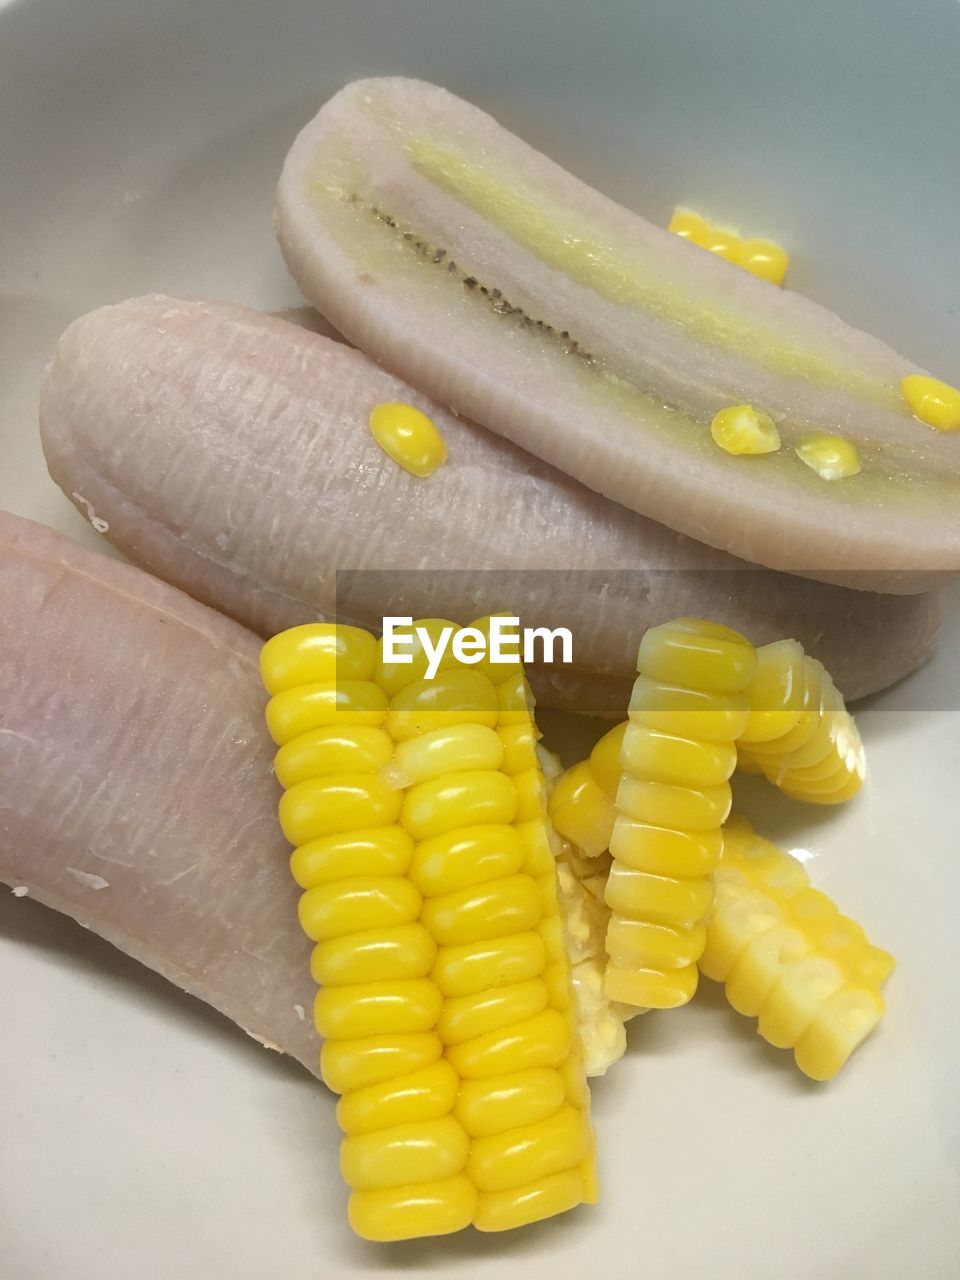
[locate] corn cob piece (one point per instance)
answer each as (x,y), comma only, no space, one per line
(789,958)
(799,733)
(417,808)
(677,754)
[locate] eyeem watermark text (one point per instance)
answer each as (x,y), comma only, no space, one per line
(506,642)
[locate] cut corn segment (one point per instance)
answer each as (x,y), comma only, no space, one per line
(672,799)
(431,891)
(789,958)
(799,733)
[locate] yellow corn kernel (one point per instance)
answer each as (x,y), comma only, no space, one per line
(487,1107)
(395,1007)
(514,700)
(419,1209)
(647,944)
(356,1064)
(531,802)
(482,912)
(362,902)
(831,457)
(524,1154)
(663,851)
(477,966)
(450,750)
(690,226)
(762,258)
(394,676)
(933,402)
(358,749)
(427,1094)
(541,1041)
(742,429)
(551,932)
(775,694)
(649,988)
(692,713)
(581,810)
(605,759)
(409,437)
(537,853)
(466,856)
(459,799)
(697,654)
(662,805)
(557,979)
(520,1206)
(316,706)
(404,951)
(680,761)
(380,851)
(467,1017)
(405,1153)
(519,748)
(318,651)
(338,803)
(669,900)
(789,958)
(456,696)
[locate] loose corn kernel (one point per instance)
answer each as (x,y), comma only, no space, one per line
(431,892)
(762,258)
(789,958)
(581,810)
(799,733)
(933,402)
(672,800)
(831,457)
(408,436)
(742,429)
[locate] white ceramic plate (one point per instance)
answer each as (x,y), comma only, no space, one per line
(139,141)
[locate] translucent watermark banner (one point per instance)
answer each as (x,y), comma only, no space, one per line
(583,626)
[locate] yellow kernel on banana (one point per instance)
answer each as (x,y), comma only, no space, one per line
(831,457)
(491,1106)
(409,437)
(933,402)
(742,429)
(689,225)
(405,1153)
(317,651)
(418,1209)
(476,966)
(394,1007)
(402,951)
(369,1060)
(427,1094)
(528,1152)
(762,258)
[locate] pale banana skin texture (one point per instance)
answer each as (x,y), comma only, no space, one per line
(136,784)
(228,452)
(473,266)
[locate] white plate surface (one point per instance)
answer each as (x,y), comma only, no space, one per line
(144,1136)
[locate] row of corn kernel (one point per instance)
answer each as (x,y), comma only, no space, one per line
(686,712)
(788,957)
(763,258)
(799,733)
(417,1057)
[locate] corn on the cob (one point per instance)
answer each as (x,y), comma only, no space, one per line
(417,808)
(799,733)
(676,756)
(788,957)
